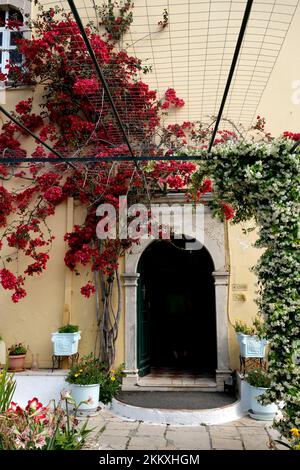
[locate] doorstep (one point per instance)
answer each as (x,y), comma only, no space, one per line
(168,380)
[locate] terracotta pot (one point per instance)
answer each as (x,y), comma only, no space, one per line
(17,362)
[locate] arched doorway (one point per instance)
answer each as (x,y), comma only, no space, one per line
(176,312)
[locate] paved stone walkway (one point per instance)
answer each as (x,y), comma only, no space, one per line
(113,433)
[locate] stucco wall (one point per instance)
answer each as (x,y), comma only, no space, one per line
(242,288)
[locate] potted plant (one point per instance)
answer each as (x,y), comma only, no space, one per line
(16,357)
(259,382)
(65,340)
(252,339)
(85,378)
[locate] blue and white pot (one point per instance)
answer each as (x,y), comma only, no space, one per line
(88,393)
(259,411)
(65,344)
(252,346)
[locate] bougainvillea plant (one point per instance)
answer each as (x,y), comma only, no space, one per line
(69,110)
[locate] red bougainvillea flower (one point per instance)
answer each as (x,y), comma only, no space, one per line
(19,294)
(6,207)
(292,135)
(39,265)
(86,86)
(206,187)
(171,98)
(87,290)
(8,279)
(53,194)
(24,107)
(228,211)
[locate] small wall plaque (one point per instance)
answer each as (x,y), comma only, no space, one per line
(239,287)
(239,297)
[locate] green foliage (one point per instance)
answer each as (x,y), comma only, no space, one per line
(7,389)
(110,384)
(70,439)
(87,371)
(17,349)
(68,329)
(261,181)
(243,328)
(257,329)
(258,378)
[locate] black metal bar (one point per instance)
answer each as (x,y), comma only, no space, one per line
(10,160)
(232,69)
(36,137)
(99,72)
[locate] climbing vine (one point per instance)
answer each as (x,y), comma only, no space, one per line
(69,111)
(261,181)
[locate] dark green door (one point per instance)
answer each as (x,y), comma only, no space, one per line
(143,322)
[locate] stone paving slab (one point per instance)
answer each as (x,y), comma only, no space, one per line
(220,443)
(114,433)
(224,431)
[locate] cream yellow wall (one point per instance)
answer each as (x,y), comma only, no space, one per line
(33,319)
(242,288)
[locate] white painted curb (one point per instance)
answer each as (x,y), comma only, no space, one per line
(224,414)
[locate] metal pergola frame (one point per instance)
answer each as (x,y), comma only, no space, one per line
(60,158)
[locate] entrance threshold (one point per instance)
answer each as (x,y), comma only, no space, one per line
(172,379)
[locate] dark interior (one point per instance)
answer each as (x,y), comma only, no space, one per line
(180,300)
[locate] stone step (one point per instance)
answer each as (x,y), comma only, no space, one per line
(166,388)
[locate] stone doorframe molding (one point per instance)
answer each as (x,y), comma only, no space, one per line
(214,242)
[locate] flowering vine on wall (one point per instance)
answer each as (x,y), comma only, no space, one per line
(262,181)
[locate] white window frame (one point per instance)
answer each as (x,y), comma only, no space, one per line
(6,47)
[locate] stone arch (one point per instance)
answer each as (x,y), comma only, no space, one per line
(214,242)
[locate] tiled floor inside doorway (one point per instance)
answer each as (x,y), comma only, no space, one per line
(171,376)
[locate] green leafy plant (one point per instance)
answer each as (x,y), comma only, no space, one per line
(256,329)
(87,371)
(68,435)
(17,349)
(110,384)
(258,378)
(7,389)
(68,329)
(243,328)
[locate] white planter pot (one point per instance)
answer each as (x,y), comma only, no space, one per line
(252,346)
(258,410)
(86,392)
(2,352)
(65,344)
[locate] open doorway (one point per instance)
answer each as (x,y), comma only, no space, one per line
(176,309)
